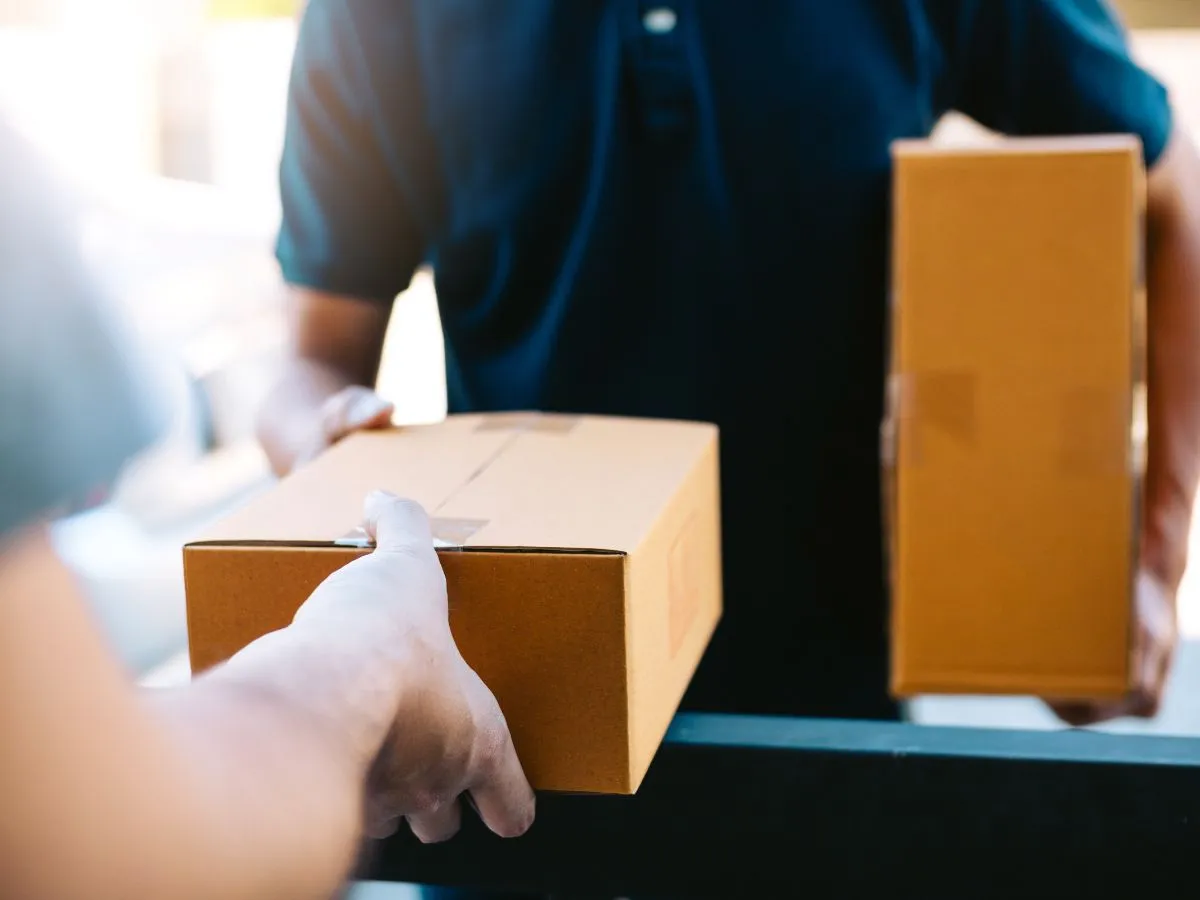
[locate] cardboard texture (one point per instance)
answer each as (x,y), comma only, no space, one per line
(582,560)
(1014,445)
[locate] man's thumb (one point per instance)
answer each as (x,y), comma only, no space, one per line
(397,524)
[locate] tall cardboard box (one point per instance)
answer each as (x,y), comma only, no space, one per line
(582,560)
(1015,441)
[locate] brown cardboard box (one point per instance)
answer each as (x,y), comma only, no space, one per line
(1017,416)
(582,559)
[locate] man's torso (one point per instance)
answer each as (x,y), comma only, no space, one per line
(682,211)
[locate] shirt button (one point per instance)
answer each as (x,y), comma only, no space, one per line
(659,20)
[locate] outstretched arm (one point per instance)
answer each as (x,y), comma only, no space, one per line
(252,781)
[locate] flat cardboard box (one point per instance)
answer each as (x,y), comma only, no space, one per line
(1015,439)
(582,559)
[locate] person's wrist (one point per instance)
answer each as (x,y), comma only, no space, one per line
(1164,547)
(343,687)
(373,666)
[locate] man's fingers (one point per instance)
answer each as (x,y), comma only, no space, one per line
(354,409)
(1076,715)
(396,524)
(381,418)
(503,798)
(1140,703)
(439,825)
(1085,713)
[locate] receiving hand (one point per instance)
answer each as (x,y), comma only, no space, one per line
(446,738)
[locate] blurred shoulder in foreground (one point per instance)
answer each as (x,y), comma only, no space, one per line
(75,404)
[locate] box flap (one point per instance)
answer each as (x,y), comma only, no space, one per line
(522,480)
(912,148)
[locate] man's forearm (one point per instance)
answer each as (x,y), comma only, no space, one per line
(276,746)
(1174,360)
(224,789)
(335,346)
(274,806)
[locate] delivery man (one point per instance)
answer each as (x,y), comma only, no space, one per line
(259,779)
(682,210)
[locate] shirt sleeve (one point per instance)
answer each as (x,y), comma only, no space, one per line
(346,228)
(75,404)
(1045,67)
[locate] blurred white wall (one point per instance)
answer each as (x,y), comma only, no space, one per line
(86,95)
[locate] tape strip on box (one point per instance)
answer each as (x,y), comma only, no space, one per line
(921,403)
(542,423)
(448,534)
(1101,430)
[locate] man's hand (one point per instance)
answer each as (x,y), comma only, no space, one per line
(323,392)
(1173,465)
(1155,638)
(351,409)
(446,737)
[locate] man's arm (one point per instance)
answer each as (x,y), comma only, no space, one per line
(227,793)
(1173,271)
(1173,464)
(326,389)
(250,782)
(353,182)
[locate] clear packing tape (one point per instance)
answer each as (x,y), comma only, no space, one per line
(448,534)
(453,534)
(922,404)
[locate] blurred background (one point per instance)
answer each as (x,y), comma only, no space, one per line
(169,115)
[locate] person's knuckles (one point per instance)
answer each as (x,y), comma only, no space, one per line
(433,802)
(429,765)
(408,795)
(487,756)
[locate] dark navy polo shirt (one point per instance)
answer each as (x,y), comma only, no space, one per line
(681,210)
